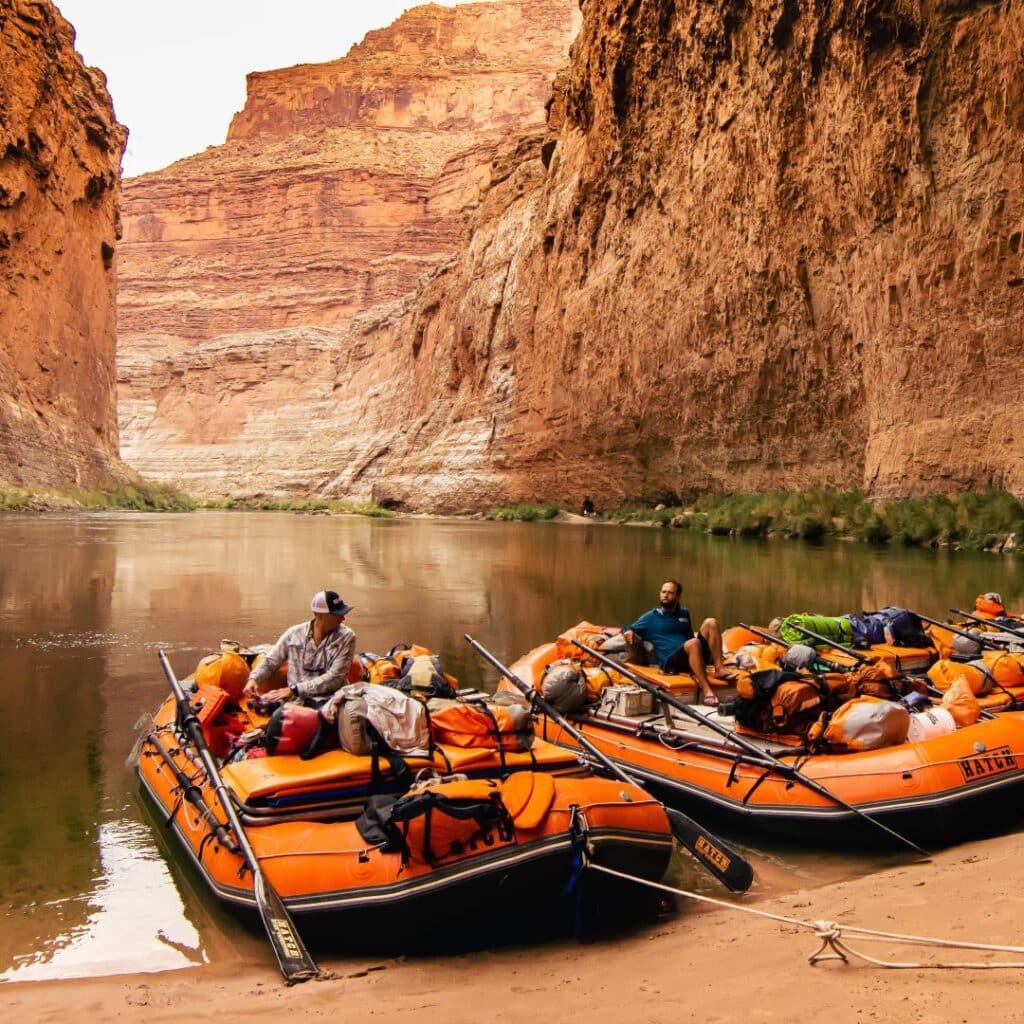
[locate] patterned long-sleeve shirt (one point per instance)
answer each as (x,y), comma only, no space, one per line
(313,671)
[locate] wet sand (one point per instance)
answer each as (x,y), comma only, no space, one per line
(709,965)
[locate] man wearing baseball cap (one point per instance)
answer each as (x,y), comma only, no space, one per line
(318,653)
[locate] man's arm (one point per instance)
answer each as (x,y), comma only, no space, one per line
(328,683)
(272,661)
(638,628)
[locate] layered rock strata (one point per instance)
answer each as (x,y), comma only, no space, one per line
(761,245)
(60,158)
(339,186)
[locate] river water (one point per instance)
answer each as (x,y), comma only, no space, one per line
(88,882)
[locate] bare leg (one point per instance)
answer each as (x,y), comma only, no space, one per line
(699,670)
(712,632)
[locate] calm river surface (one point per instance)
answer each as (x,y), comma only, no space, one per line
(88,884)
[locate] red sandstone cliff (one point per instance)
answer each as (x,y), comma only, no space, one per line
(340,185)
(60,158)
(763,244)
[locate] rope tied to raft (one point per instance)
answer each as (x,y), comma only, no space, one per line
(835,937)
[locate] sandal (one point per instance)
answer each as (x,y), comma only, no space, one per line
(710,700)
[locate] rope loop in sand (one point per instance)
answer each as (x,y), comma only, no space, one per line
(833,942)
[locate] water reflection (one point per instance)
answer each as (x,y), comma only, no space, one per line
(86,601)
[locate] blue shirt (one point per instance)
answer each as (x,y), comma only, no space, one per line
(667,631)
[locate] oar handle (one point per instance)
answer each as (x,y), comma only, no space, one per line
(766,636)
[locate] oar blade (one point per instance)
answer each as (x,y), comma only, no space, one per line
(294,960)
(732,870)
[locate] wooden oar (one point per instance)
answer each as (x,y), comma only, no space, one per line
(295,962)
(732,870)
(988,622)
(660,693)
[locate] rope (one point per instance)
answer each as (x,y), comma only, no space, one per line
(833,945)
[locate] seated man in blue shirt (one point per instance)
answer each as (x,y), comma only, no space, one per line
(676,647)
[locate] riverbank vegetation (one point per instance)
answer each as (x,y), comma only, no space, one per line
(523,513)
(138,496)
(989,520)
(306,505)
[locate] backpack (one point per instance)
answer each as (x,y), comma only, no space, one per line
(895,626)
(773,700)
(833,628)
(564,686)
(438,824)
(422,673)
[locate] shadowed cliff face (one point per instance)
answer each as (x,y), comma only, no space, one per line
(761,244)
(60,158)
(777,243)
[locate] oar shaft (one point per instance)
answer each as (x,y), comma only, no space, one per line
(960,632)
(856,655)
(192,793)
(661,693)
(294,960)
(721,860)
(988,622)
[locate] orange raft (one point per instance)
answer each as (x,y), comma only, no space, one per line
(938,791)
(540,827)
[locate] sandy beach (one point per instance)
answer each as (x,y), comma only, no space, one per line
(708,964)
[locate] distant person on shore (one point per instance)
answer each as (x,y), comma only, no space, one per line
(669,630)
(588,509)
(318,653)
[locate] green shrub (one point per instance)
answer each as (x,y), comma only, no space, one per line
(523,513)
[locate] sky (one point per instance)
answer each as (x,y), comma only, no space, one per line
(176,68)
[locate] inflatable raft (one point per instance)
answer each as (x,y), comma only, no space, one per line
(509,832)
(938,791)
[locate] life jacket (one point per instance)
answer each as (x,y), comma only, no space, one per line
(227,670)
(989,606)
(294,729)
(864,723)
(482,724)
(440,824)
(736,637)
(961,703)
(587,633)
(379,669)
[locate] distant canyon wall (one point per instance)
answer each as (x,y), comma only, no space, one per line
(758,245)
(60,159)
(339,187)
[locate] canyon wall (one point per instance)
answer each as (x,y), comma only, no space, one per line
(340,185)
(60,159)
(761,244)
